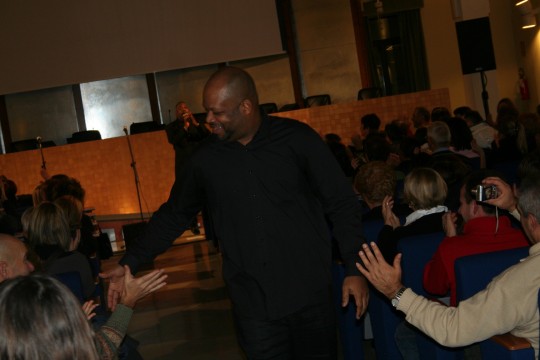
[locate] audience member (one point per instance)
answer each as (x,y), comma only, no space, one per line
(61,185)
(510,144)
(462,143)
(41,319)
(509,303)
(484,231)
(425,193)
(50,237)
(452,167)
(268,182)
(440,113)
(531,125)
(461,111)
(369,125)
(374,182)
(13,258)
(421,120)
(483,133)
(184,134)
(342,154)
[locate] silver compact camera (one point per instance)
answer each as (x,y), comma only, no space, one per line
(484,193)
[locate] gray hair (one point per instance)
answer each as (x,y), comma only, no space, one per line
(529,196)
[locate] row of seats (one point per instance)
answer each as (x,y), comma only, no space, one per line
(320,100)
(473,273)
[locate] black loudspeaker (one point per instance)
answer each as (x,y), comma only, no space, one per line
(475,45)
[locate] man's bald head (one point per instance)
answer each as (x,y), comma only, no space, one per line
(236,83)
(13,258)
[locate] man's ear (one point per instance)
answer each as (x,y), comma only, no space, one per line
(532,222)
(3,271)
(247,106)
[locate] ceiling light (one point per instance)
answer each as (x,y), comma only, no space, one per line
(528,21)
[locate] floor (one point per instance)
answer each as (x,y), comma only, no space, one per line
(190,318)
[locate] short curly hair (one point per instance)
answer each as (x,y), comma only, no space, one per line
(375,180)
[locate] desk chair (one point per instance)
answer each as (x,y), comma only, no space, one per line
(269,108)
(146,126)
(369,93)
(317,100)
(82,136)
(473,274)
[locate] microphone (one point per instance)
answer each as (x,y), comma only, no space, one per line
(38,139)
(125,130)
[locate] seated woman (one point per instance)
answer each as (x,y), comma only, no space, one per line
(54,242)
(41,319)
(425,192)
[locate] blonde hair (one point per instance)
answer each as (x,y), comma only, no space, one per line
(48,226)
(424,188)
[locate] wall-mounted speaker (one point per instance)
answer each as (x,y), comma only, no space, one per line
(475,45)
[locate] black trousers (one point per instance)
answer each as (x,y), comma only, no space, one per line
(309,333)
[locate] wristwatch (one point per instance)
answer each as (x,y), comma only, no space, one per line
(395,299)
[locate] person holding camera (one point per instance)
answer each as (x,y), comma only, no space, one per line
(484,230)
(511,298)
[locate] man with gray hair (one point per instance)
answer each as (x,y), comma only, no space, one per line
(451,166)
(509,302)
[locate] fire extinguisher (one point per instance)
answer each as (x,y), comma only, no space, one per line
(523,86)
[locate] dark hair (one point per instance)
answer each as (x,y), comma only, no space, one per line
(460,133)
(376,147)
(396,131)
(440,113)
(472,180)
(461,111)
(60,185)
(371,122)
(474,117)
(42,319)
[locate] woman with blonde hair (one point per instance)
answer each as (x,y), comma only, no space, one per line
(425,192)
(54,242)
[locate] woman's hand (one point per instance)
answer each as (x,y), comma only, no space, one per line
(388,215)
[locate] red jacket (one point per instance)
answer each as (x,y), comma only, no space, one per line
(478,237)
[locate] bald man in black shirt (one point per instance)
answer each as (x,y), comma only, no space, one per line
(268,183)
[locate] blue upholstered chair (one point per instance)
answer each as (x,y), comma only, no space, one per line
(72,280)
(473,274)
(417,251)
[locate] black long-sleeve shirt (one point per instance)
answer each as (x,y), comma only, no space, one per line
(267,201)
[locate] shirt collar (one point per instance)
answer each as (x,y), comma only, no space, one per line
(415,215)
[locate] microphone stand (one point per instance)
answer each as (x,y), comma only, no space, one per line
(135,174)
(43,166)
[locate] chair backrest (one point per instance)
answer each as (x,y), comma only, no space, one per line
(269,108)
(72,280)
(317,100)
(371,229)
(417,251)
(369,93)
(289,107)
(475,272)
(82,136)
(147,126)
